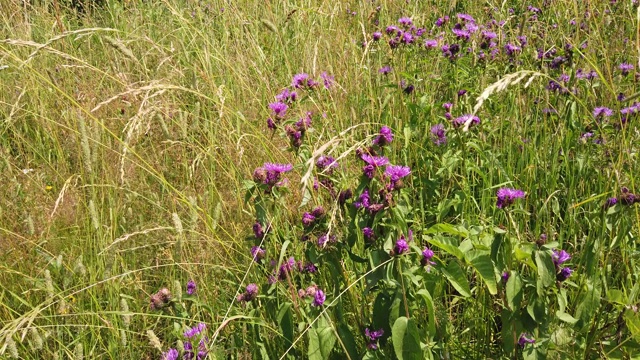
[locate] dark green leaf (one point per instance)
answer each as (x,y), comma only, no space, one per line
(481,262)
(457,278)
(406,339)
(321,340)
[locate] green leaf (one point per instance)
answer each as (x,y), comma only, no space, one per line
(285,320)
(632,319)
(514,291)
(347,338)
(321,340)
(406,339)
(481,262)
(566,317)
(546,268)
(446,228)
(431,315)
(447,245)
(587,308)
(457,278)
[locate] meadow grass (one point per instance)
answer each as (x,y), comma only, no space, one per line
(130,135)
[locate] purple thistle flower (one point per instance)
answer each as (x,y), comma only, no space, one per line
(391,29)
(171,354)
(373,337)
(368,233)
(430,43)
(397,172)
(438,134)
(310,268)
(251,292)
(401,246)
(427,255)
(602,111)
(385,137)
(287,96)
(258,253)
(258,232)
(195,330)
(191,287)
(459,121)
(511,49)
(560,257)
(505,276)
(441,21)
(327,79)
(308,219)
(377,36)
(564,274)
(363,200)
(279,109)
(319,298)
(447,106)
(625,68)
(461,34)
(385,70)
(326,162)
(462,92)
(376,161)
(300,80)
(405,21)
(525,339)
(466,17)
(506,197)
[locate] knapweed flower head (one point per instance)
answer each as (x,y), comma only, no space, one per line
(505,276)
(385,137)
(397,172)
(308,219)
(251,292)
(270,173)
(625,68)
(431,43)
(405,21)
(462,120)
(326,162)
(191,287)
(507,196)
(258,253)
(363,200)
(302,80)
(525,339)
(401,246)
(559,257)
(373,162)
(287,96)
(287,268)
(327,79)
(160,299)
(376,36)
(368,233)
(372,337)
(258,232)
(438,134)
(602,112)
(427,255)
(279,109)
(627,197)
(171,354)
(195,330)
(564,274)
(326,238)
(319,298)
(385,70)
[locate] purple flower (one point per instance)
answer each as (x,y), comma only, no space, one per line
(327,79)
(251,292)
(560,257)
(171,354)
(373,337)
(430,43)
(363,200)
(427,255)
(447,106)
(511,49)
(326,162)
(438,134)
(308,219)
(279,109)
(462,92)
(506,197)
(287,96)
(195,330)
(377,36)
(602,111)
(459,121)
(397,172)
(376,161)
(385,70)
(310,268)
(525,339)
(258,232)
(300,80)
(257,253)
(625,68)
(319,298)
(505,276)
(627,197)
(368,233)
(466,17)
(442,21)
(385,137)
(461,34)
(564,274)
(405,21)
(191,287)
(401,246)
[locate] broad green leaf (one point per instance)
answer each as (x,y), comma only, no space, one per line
(447,245)
(446,228)
(321,340)
(588,306)
(481,262)
(632,320)
(348,340)
(431,315)
(514,291)
(566,317)
(546,268)
(285,320)
(457,278)
(406,339)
